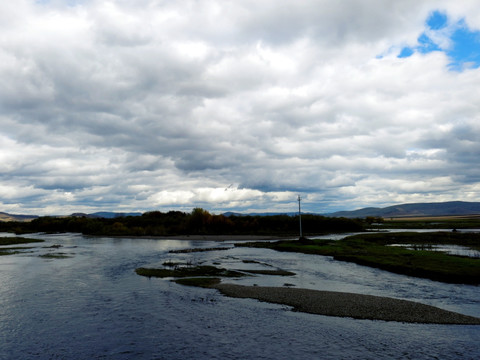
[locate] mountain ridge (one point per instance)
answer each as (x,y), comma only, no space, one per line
(449,208)
(14,217)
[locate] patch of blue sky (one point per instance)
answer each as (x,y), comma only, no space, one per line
(426,44)
(464,44)
(406,52)
(437,20)
(465,49)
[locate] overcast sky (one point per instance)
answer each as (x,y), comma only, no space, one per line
(164,105)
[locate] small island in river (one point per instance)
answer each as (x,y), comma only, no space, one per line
(327,303)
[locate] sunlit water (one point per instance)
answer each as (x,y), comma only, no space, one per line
(92,305)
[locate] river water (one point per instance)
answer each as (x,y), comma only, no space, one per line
(92,305)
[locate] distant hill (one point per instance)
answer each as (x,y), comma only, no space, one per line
(12,217)
(403,210)
(416,209)
(106,214)
(103,214)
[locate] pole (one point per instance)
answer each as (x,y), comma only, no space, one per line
(300,215)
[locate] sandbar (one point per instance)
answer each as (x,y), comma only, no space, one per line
(342,304)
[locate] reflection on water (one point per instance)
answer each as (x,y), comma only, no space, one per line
(93,306)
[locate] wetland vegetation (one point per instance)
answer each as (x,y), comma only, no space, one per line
(188,271)
(6,241)
(373,250)
(56,256)
(203,275)
(427,222)
(17,240)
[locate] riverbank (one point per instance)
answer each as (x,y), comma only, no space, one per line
(351,305)
(218,238)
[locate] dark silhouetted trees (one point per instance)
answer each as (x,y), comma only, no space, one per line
(198,222)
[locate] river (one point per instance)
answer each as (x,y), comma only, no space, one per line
(90,304)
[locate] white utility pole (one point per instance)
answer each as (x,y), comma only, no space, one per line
(300,215)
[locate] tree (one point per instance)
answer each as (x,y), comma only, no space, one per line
(199,218)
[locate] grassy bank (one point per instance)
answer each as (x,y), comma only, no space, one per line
(431,222)
(373,250)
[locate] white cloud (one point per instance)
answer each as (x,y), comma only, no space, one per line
(107,105)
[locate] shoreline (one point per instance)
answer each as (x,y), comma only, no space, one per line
(218,238)
(341,304)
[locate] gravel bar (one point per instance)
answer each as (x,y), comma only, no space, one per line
(351,305)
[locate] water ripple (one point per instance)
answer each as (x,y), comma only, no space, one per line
(93,306)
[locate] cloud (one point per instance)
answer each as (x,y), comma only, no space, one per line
(455,38)
(160,105)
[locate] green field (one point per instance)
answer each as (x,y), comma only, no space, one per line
(431,222)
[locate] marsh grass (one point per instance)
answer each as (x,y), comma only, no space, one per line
(203,275)
(17,240)
(11,251)
(278,272)
(56,246)
(256,262)
(5,241)
(173,264)
(432,222)
(183,272)
(187,251)
(372,250)
(56,256)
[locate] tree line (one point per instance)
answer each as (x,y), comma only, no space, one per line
(197,222)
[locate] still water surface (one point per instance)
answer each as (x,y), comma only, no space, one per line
(92,305)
